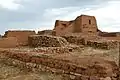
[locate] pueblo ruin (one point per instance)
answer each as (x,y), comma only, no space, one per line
(64,50)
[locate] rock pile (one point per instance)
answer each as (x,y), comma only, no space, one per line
(46,41)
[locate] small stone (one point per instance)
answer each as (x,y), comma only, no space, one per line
(72,77)
(107,78)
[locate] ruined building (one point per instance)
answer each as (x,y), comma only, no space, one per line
(22,36)
(82,24)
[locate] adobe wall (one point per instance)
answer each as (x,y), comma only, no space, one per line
(85,24)
(46,32)
(63,27)
(82,24)
(9,42)
(22,36)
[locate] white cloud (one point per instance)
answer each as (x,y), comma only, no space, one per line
(107,15)
(10,4)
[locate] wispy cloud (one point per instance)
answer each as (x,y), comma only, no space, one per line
(10,4)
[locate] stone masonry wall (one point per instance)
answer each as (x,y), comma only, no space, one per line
(95,42)
(75,40)
(63,66)
(46,41)
(102,44)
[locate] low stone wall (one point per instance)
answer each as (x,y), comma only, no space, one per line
(90,72)
(75,40)
(95,42)
(103,44)
(10,42)
(58,50)
(46,41)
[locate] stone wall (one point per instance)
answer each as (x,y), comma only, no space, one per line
(46,41)
(75,40)
(10,42)
(92,41)
(22,36)
(103,44)
(94,71)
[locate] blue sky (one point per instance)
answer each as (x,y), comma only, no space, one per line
(41,14)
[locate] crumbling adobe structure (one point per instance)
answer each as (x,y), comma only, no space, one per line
(82,24)
(22,36)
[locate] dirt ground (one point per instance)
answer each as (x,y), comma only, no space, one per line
(14,73)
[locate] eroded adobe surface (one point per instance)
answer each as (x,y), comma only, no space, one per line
(9,42)
(22,36)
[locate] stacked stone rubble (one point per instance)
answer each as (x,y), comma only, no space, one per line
(68,67)
(46,41)
(75,40)
(102,44)
(95,42)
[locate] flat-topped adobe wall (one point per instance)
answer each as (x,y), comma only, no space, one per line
(22,36)
(10,42)
(46,32)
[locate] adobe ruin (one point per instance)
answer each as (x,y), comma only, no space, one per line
(84,24)
(46,52)
(22,36)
